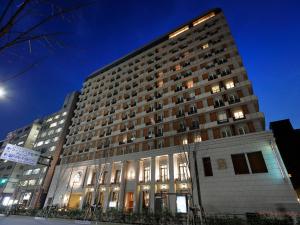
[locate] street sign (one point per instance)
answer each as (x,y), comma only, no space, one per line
(21,155)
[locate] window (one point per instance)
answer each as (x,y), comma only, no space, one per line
(163,173)
(204,18)
(47,141)
(58,130)
(222,116)
(31,182)
(190,84)
(117,176)
(21,142)
(24,183)
(257,162)
(27,172)
(43,134)
(52,148)
(64,113)
(53,124)
(226,132)
(197,138)
(183,175)
(241,130)
(50,119)
(215,89)
(184,141)
(205,46)
(229,84)
(181,30)
(207,167)
(40,143)
(56,117)
(240,164)
(238,114)
(36,171)
(61,121)
(147,174)
(50,132)
(55,139)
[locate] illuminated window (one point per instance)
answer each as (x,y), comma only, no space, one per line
(50,132)
(55,139)
(61,121)
(204,18)
(56,117)
(31,182)
(147,177)
(40,143)
(64,113)
(160,83)
(51,149)
(27,172)
(238,114)
(58,130)
(181,30)
(183,174)
(47,141)
(53,124)
(24,183)
(163,173)
(229,84)
(36,171)
(50,119)
(190,84)
(177,67)
(197,138)
(43,134)
(215,89)
(184,141)
(21,142)
(205,46)
(222,116)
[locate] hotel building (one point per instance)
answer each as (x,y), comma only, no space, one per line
(176,119)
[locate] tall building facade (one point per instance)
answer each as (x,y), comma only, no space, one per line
(175,119)
(288,142)
(31,183)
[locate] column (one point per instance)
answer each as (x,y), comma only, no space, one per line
(172,196)
(152,186)
(136,187)
(107,182)
(122,186)
(193,179)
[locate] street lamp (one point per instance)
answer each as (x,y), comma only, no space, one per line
(2,92)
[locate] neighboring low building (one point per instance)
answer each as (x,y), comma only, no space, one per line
(30,184)
(10,171)
(177,118)
(288,142)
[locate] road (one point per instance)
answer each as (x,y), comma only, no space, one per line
(24,220)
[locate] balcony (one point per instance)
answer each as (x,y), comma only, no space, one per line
(181,129)
(212,77)
(223,121)
(132,115)
(177,78)
(150,109)
(180,114)
(192,111)
(159,134)
(194,126)
(178,89)
(149,99)
(219,104)
(158,107)
(232,101)
(179,100)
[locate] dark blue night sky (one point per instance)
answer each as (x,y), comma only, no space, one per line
(267,34)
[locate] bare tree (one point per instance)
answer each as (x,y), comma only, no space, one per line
(23,22)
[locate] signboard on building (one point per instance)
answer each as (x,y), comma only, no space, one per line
(21,155)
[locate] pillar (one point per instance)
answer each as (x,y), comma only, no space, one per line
(172,196)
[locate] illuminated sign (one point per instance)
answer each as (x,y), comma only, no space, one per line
(21,155)
(181,204)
